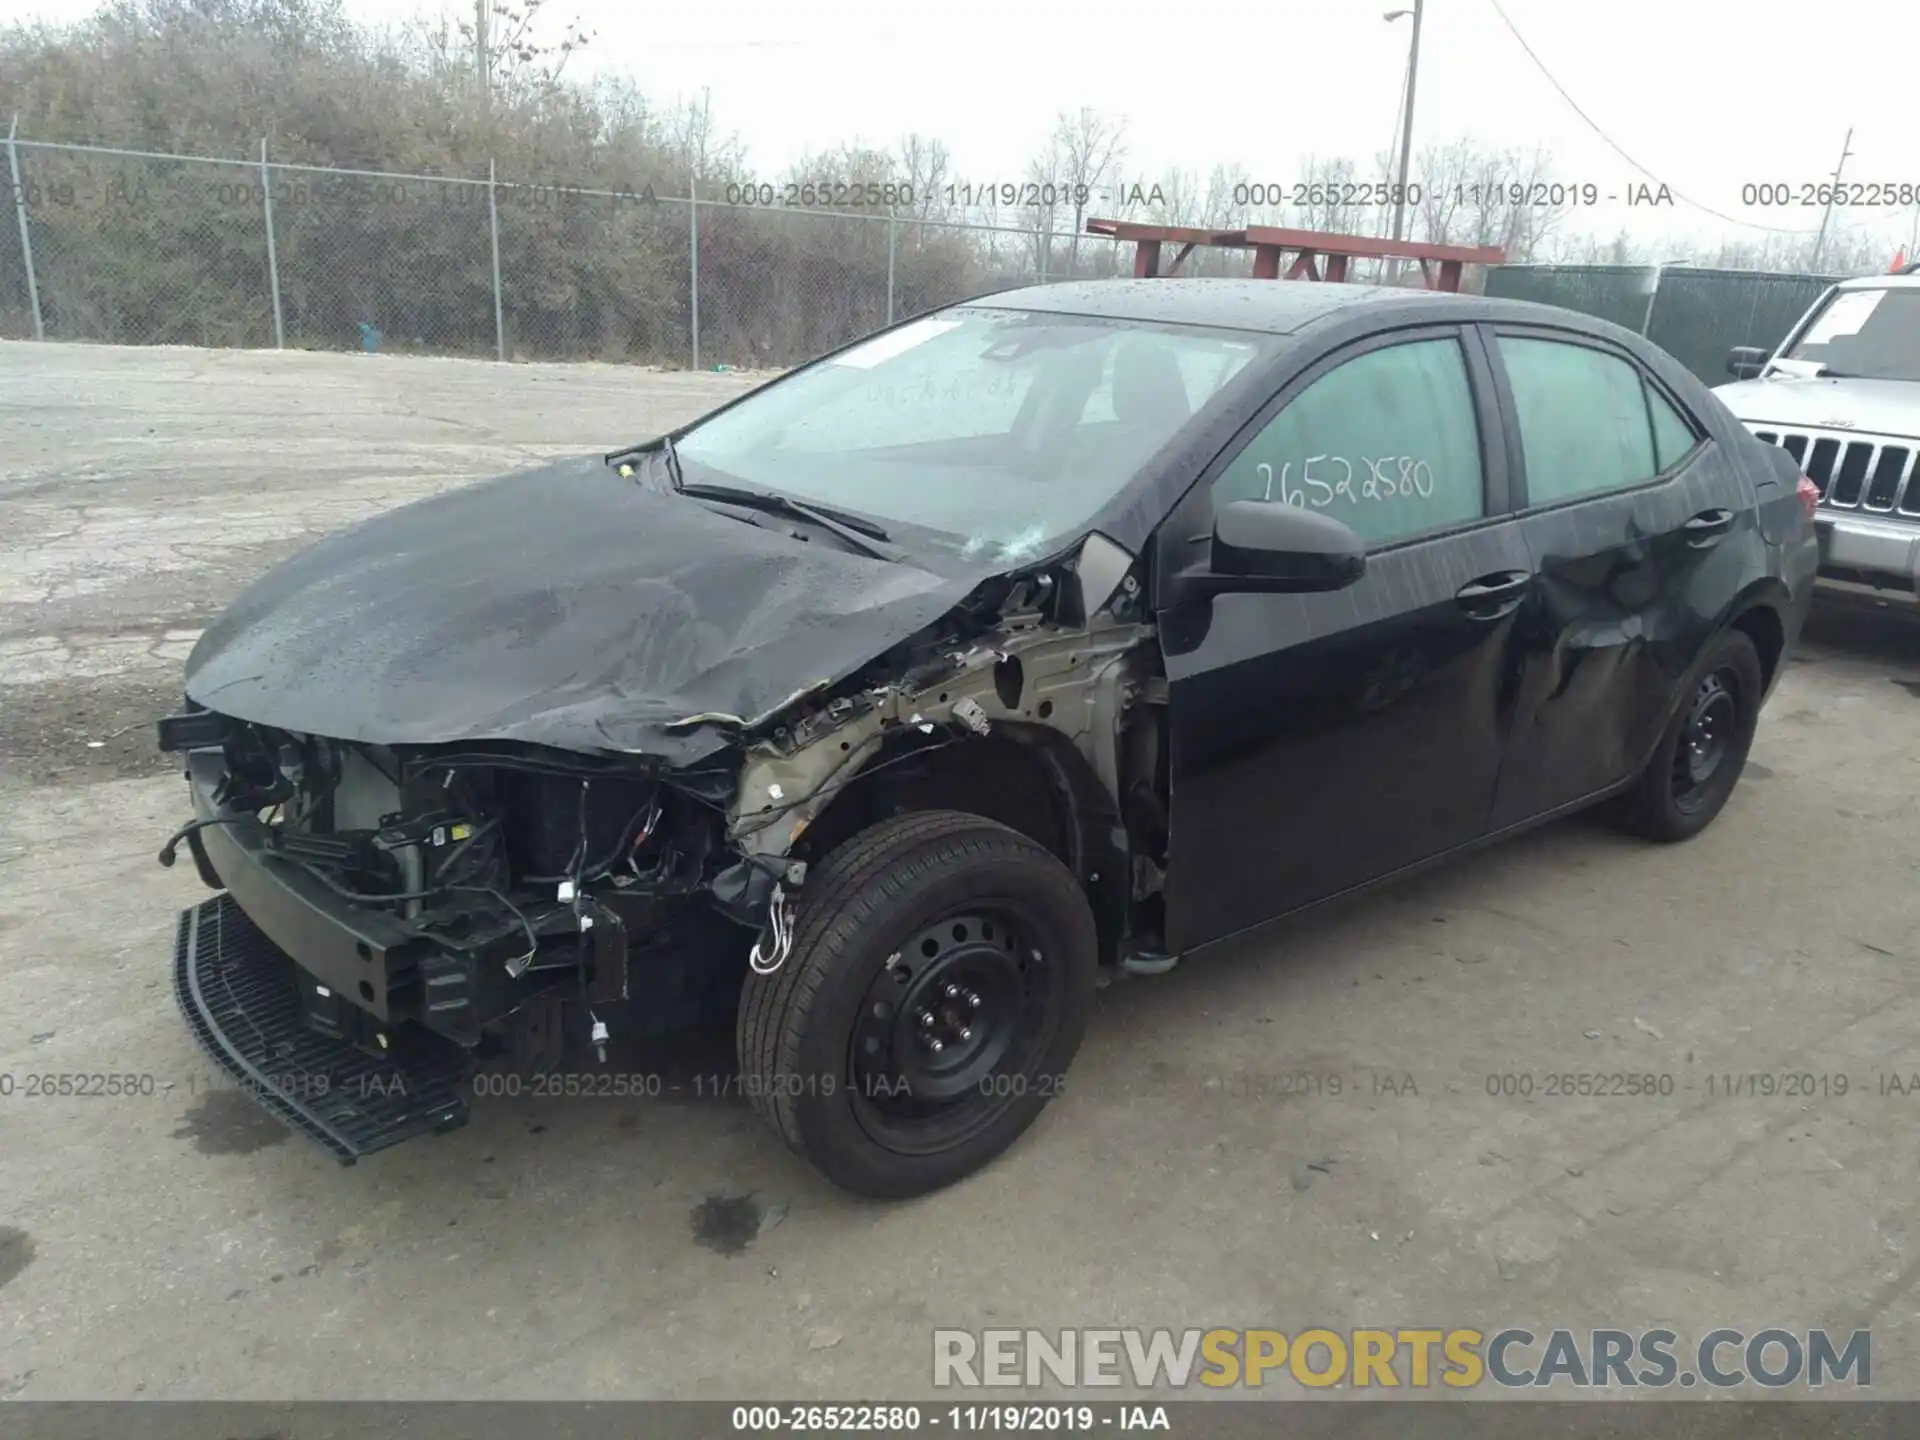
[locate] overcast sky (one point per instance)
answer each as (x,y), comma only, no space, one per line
(1707,96)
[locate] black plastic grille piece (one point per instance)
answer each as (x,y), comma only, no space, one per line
(241,997)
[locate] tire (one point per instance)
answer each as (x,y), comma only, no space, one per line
(937,918)
(1671,801)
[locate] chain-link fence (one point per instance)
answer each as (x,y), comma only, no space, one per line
(135,254)
(134,248)
(1696,315)
(17,307)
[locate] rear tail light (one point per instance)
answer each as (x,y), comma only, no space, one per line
(1809,494)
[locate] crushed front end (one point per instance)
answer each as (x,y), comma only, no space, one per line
(395,917)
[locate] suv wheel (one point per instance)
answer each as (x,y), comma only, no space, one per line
(939,983)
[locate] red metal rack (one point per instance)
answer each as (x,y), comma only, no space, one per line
(1317,255)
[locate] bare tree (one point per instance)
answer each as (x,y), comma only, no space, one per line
(1620,250)
(1848,251)
(1224,207)
(1177,198)
(1090,149)
(1329,195)
(925,167)
(1043,192)
(510,61)
(704,153)
(1853,251)
(1472,195)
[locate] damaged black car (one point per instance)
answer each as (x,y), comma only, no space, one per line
(881,708)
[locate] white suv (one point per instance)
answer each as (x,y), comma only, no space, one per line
(1842,396)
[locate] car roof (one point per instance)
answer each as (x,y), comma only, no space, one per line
(1272,307)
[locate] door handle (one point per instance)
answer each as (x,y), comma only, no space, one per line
(1495,595)
(1706,528)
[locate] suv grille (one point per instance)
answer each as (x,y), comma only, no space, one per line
(1852,472)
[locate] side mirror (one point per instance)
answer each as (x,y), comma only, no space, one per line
(1260,545)
(1746,361)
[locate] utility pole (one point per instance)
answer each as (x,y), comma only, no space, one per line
(1820,241)
(1406,128)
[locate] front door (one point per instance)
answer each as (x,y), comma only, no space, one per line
(1640,531)
(1322,741)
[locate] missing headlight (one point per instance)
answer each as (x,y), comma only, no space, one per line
(561,828)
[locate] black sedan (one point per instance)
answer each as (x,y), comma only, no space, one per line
(1072,627)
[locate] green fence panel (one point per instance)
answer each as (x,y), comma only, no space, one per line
(1697,315)
(1612,292)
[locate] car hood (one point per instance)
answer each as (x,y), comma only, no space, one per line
(558,606)
(1873,407)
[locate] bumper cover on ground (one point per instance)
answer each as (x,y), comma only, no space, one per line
(242,999)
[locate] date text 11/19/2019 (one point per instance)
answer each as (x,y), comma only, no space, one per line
(890,194)
(1518,194)
(893,1419)
(1713,1085)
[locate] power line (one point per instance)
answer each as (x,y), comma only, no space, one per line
(1592,125)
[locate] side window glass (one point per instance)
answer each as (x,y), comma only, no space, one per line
(1672,435)
(1388,443)
(1583,419)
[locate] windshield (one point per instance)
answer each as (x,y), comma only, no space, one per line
(1005,430)
(1871,334)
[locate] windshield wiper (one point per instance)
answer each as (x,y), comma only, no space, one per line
(860,534)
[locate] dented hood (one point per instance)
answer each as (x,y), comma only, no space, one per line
(559,606)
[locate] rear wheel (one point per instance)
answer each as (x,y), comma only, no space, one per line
(1705,748)
(940,981)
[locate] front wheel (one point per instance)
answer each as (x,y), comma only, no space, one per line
(939,984)
(1705,748)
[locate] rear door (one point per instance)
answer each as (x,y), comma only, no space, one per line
(1322,741)
(1639,527)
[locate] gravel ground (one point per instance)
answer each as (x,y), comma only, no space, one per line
(178,1244)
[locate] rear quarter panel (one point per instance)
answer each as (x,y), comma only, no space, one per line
(1782,572)
(1793,544)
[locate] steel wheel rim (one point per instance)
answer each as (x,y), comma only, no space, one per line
(1707,737)
(948,1028)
